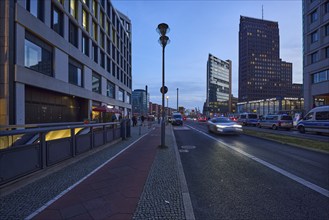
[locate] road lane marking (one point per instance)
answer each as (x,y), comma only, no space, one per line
(271,166)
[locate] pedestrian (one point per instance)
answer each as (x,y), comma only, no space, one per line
(142,118)
(134,121)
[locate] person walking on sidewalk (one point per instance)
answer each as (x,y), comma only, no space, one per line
(143,119)
(134,121)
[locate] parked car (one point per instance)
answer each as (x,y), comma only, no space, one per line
(276,121)
(177,119)
(316,120)
(223,125)
(248,119)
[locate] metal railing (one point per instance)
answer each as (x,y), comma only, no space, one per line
(25,151)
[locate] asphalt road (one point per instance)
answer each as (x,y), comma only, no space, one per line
(243,177)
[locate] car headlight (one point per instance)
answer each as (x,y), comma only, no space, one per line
(220,126)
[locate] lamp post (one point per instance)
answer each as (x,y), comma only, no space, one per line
(163,40)
(167,107)
(177,101)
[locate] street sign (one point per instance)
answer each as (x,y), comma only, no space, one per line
(165,90)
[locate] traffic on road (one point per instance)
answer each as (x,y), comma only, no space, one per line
(244,177)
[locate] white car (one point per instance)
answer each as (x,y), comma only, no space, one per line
(223,125)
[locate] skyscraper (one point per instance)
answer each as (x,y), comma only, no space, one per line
(219,86)
(316,53)
(60,59)
(262,74)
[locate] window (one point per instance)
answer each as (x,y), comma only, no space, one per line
(327,52)
(314,37)
(314,16)
(102,59)
(326,7)
(108,67)
(36,8)
(110,89)
(102,39)
(320,76)
(73,8)
(96,83)
(57,21)
(94,31)
(75,73)
(101,19)
(85,20)
(95,8)
(326,30)
(128,98)
(85,44)
(322,115)
(86,2)
(38,55)
(314,57)
(120,95)
(95,53)
(73,34)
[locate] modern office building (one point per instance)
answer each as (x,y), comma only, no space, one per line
(60,59)
(140,102)
(316,53)
(219,86)
(262,74)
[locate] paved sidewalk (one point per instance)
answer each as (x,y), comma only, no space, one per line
(113,191)
(133,179)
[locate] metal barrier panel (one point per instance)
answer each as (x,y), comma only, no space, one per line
(58,150)
(19,161)
(98,138)
(109,135)
(117,133)
(82,143)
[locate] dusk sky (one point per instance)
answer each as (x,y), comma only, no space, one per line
(198,28)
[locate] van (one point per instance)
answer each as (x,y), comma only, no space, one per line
(276,121)
(316,120)
(248,119)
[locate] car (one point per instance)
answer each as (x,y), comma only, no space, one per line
(223,125)
(248,119)
(276,121)
(316,120)
(202,119)
(177,119)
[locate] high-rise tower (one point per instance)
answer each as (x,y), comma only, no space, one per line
(262,74)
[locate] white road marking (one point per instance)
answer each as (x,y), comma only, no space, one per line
(180,128)
(271,166)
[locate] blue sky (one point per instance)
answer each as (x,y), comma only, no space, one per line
(198,28)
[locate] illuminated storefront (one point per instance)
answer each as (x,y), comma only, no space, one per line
(287,105)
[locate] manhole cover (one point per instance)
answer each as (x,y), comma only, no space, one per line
(188,147)
(183,151)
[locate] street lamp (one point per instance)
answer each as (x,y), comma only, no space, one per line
(167,107)
(163,40)
(177,101)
